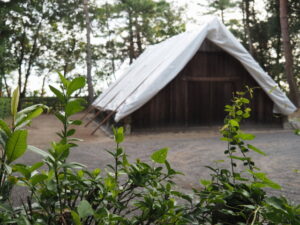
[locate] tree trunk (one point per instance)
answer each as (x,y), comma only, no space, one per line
(222,16)
(113,66)
(88,52)
(138,37)
(131,41)
(110,41)
(287,51)
(21,58)
(43,86)
(2,74)
(8,91)
(247,27)
(32,57)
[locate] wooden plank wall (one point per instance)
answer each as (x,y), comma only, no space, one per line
(197,96)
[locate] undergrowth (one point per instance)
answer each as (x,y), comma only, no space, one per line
(139,193)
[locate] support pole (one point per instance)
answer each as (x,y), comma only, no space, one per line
(90,108)
(103,121)
(94,117)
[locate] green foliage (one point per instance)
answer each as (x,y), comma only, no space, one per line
(236,196)
(46,40)
(128,27)
(160,156)
(13,141)
(16,145)
(64,192)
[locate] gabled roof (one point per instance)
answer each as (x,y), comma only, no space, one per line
(159,64)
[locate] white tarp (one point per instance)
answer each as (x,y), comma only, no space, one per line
(160,64)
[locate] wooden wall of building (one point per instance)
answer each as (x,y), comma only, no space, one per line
(197,96)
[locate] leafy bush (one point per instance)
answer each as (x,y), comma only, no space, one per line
(139,193)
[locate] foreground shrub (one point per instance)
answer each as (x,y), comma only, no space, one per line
(63,192)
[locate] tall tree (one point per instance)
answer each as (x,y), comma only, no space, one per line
(127,27)
(294,91)
(36,29)
(134,24)
(88,51)
(248,19)
(7,59)
(221,6)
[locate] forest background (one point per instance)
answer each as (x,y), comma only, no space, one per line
(96,37)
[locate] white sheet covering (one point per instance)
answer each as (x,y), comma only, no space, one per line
(160,64)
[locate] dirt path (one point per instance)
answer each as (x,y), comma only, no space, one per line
(189,151)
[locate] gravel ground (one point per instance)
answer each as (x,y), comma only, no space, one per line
(189,152)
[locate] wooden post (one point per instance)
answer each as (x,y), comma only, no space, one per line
(94,117)
(103,121)
(186,103)
(90,108)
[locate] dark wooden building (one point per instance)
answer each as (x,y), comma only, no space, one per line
(186,81)
(197,96)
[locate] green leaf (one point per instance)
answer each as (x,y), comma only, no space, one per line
(73,165)
(245,100)
(16,145)
(35,113)
(15,102)
(38,151)
(85,209)
(71,132)
(75,139)
(160,156)
(60,116)
(246,137)
(238,158)
(297,132)
(275,202)
(22,170)
(58,94)
(234,123)
(74,106)
(26,119)
(5,128)
(265,181)
(76,84)
(205,182)
(226,139)
(96,171)
(239,112)
(75,122)
(61,150)
(63,80)
(246,115)
(37,179)
(36,166)
(76,218)
(119,135)
(256,150)
(32,108)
